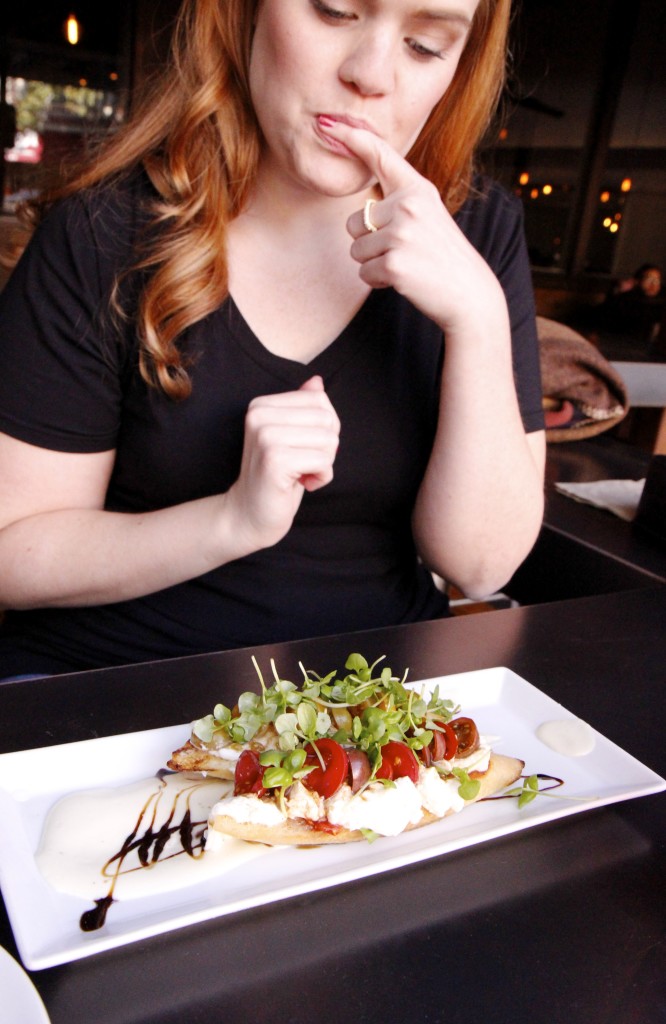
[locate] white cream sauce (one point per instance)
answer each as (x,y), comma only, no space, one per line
(86,833)
(569,736)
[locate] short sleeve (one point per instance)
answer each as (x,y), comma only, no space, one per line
(60,356)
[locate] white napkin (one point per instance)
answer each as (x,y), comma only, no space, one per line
(618,496)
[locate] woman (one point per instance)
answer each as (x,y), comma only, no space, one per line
(228,418)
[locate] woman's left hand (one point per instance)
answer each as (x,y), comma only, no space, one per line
(418,249)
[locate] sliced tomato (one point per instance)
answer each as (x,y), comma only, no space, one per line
(398,760)
(327,780)
(248,775)
(467,735)
(444,744)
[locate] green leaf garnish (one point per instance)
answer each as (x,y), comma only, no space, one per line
(468,788)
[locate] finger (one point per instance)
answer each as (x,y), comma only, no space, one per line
(389,168)
(368,221)
(309,396)
(313,384)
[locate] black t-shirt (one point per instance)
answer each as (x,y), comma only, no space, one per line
(69,382)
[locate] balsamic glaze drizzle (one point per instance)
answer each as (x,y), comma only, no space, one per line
(553,779)
(150,844)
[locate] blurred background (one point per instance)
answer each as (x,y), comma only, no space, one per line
(581,138)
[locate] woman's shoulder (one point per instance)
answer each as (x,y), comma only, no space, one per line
(100,225)
(109,216)
(492,221)
(489,204)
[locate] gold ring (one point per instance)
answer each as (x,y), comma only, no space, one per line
(367,221)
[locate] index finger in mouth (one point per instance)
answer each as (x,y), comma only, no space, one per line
(391,170)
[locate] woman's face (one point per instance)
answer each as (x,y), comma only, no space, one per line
(379,64)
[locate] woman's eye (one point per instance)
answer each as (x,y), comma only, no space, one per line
(331,13)
(424,51)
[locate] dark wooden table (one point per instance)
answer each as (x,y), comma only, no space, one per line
(583,550)
(559,924)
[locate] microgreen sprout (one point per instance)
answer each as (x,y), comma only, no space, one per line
(368,706)
(530,789)
(468,788)
(283,768)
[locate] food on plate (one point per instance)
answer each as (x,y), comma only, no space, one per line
(338,760)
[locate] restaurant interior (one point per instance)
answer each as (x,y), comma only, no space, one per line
(581,140)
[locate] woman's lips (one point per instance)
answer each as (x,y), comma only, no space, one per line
(326,121)
(353,122)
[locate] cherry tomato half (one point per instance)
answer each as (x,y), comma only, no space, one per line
(444,744)
(467,735)
(248,774)
(326,781)
(398,760)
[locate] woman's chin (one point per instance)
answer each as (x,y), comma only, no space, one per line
(340,177)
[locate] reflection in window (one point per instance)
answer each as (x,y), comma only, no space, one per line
(54,124)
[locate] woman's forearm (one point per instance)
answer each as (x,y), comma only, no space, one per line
(76,557)
(60,548)
(480,505)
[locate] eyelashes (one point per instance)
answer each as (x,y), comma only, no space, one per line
(336,16)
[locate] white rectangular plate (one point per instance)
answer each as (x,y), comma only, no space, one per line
(46,922)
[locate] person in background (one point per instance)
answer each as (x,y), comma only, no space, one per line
(634,309)
(270,362)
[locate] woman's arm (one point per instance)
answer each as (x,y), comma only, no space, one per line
(59,547)
(480,505)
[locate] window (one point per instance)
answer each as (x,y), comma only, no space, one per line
(584,137)
(59,96)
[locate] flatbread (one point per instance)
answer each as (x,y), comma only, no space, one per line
(502,772)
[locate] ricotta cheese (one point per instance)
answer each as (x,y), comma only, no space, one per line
(438,795)
(303,803)
(386,810)
(249,808)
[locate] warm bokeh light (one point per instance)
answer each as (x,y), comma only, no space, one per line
(607,222)
(604,197)
(534,193)
(614,228)
(524,178)
(72,30)
(547,190)
(503,134)
(626,185)
(114,76)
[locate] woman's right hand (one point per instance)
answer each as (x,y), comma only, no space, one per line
(291,440)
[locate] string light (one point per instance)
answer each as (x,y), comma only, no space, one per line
(625,185)
(524,178)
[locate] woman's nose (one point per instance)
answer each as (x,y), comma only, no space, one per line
(370,66)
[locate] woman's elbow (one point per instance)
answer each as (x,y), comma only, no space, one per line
(484,566)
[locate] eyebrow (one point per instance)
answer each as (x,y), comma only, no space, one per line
(426,14)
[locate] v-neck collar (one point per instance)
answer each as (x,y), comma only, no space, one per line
(326,363)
